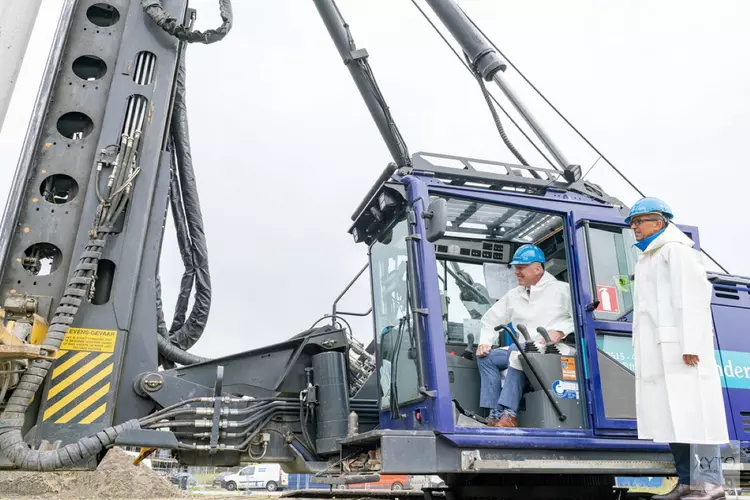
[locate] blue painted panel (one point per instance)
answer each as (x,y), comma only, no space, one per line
(639,482)
(303,482)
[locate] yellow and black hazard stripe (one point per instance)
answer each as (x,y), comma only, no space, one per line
(79,384)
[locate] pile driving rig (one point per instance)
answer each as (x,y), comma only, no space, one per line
(87,360)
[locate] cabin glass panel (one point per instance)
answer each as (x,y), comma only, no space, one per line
(392,317)
(614,257)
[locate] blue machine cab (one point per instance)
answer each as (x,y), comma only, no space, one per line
(432,285)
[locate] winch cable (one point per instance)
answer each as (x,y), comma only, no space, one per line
(554,108)
(494,99)
(579,133)
(81,284)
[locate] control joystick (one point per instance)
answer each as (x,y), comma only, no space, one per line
(529,346)
(551,348)
(470,351)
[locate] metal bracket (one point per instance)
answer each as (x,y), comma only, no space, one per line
(214,442)
(356,55)
(22,307)
(470,459)
(328,343)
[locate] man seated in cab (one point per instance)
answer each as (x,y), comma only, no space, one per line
(538,300)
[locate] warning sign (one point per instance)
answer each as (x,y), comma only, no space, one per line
(568,364)
(607,296)
(87,339)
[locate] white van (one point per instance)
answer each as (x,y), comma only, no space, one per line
(268,476)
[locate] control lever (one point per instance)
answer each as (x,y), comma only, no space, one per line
(529,346)
(532,366)
(551,348)
(470,350)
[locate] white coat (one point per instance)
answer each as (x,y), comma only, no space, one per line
(547,305)
(675,402)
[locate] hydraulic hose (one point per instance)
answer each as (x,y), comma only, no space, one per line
(188,220)
(185,334)
(177,355)
(12,444)
(156,11)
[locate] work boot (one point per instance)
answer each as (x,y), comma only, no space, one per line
(676,494)
(706,491)
(493,418)
(505,420)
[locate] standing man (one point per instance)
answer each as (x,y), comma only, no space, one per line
(539,300)
(678,390)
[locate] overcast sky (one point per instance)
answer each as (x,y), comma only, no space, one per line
(284,147)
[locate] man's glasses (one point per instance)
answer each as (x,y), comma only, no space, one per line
(638,222)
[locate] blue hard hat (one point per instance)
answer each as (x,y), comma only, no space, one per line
(528,254)
(647,206)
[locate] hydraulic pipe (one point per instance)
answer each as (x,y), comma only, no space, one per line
(488,63)
(530,120)
(17,19)
(356,61)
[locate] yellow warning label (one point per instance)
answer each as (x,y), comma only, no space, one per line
(87,339)
(568,365)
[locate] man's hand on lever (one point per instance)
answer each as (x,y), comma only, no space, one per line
(483,350)
(554,335)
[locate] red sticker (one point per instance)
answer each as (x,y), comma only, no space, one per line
(607,296)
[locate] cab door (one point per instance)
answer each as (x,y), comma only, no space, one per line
(606,258)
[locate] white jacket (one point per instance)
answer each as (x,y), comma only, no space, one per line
(547,305)
(672,316)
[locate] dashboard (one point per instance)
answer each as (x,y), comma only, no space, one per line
(474,250)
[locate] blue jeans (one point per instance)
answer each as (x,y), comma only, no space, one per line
(697,463)
(492,393)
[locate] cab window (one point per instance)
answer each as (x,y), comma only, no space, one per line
(392,317)
(613,260)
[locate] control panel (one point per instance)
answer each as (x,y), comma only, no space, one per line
(473,250)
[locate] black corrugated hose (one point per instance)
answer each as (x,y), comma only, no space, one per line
(191,238)
(185,204)
(185,33)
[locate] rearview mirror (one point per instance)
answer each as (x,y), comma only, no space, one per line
(436,219)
